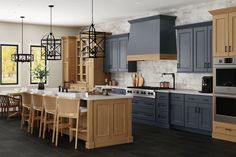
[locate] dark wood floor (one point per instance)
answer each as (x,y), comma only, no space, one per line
(148,142)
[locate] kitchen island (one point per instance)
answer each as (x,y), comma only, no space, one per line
(108,120)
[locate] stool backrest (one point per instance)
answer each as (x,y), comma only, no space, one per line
(37,100)
(26,98)
(68,105)
(49,102)
(4,101)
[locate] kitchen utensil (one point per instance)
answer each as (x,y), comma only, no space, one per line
(136,80)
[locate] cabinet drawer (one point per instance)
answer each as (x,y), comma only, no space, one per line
(198,98)
(144,105)
(176,97)
(225,130)
(162,117)
(192,98)
(162,105)
(160,95)
(144,115)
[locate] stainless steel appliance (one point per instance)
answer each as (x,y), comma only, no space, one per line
(144,91)
(225,75)
(207,84)
(225,108)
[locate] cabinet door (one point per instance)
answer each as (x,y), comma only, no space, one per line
(177,113)
(200,49)
(232,34)
(107,64)
(122,54)
(209,48)
(185,50)
(220,35)
(205,117)
(191,115)
(113,48)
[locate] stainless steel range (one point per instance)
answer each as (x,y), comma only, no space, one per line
(144,91)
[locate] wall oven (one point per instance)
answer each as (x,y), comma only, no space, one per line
(225,75)
(225,108)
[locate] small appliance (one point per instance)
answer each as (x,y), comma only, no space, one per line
(207,84)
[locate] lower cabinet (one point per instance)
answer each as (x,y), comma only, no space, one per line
(194,113)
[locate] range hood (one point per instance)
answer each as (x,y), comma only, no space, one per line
(152,38)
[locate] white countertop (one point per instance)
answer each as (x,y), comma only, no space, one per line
(104,86)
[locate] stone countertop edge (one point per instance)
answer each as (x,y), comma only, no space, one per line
(185,91)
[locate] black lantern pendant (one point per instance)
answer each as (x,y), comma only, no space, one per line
(95,50)
(22,57)
(51,44)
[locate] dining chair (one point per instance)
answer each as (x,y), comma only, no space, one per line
(69,108)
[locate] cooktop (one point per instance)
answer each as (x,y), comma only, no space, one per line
(149,87)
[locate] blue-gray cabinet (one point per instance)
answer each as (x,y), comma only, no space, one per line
(185,50)
(198,112)
(116,53)
(194,47)
(162,109)
(177,109)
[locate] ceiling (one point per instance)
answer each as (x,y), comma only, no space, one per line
(78,12)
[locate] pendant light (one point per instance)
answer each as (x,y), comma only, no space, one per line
(52,45)
(95,40)
(22,57)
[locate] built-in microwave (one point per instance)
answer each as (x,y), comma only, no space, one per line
(225,75)
(225,108)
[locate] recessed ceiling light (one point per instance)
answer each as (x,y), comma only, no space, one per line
(137,3)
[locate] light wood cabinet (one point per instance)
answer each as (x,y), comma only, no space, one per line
(68,58)
(224,33)
(89,71)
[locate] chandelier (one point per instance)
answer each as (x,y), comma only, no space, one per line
(22,57)
(51,44)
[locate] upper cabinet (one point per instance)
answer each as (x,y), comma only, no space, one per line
(152,38)
(116,54)
(194,47)
(69,58)
(224,32)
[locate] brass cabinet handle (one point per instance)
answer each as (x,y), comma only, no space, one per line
(229,48)
(228,129)
(226,48)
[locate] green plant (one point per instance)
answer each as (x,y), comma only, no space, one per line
(41,73)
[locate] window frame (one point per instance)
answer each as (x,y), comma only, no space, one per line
(17,65)
(45,63)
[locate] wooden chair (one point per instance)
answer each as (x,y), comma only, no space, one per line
(26,109)
(7,103)
(49,106)
(37,107)
(69,108)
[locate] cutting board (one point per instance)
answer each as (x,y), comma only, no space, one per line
(140,80)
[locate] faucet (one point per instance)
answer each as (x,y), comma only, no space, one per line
(173,76)
(64,88)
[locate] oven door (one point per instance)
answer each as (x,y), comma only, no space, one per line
(225,79)
(225,108)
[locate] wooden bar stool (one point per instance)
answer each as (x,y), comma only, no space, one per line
(69,108)
(37,107)
(49,106)
(26,109)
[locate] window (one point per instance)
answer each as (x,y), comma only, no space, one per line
(9,69)
(36,51)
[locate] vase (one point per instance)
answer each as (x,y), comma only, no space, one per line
(41,86)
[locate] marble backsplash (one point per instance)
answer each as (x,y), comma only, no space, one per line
(152,73)
(152,70)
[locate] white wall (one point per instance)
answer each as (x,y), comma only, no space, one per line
(152,69)
(10,33)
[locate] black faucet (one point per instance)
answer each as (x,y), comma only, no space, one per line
(173,76)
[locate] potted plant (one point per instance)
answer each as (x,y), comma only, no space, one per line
(40,73)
